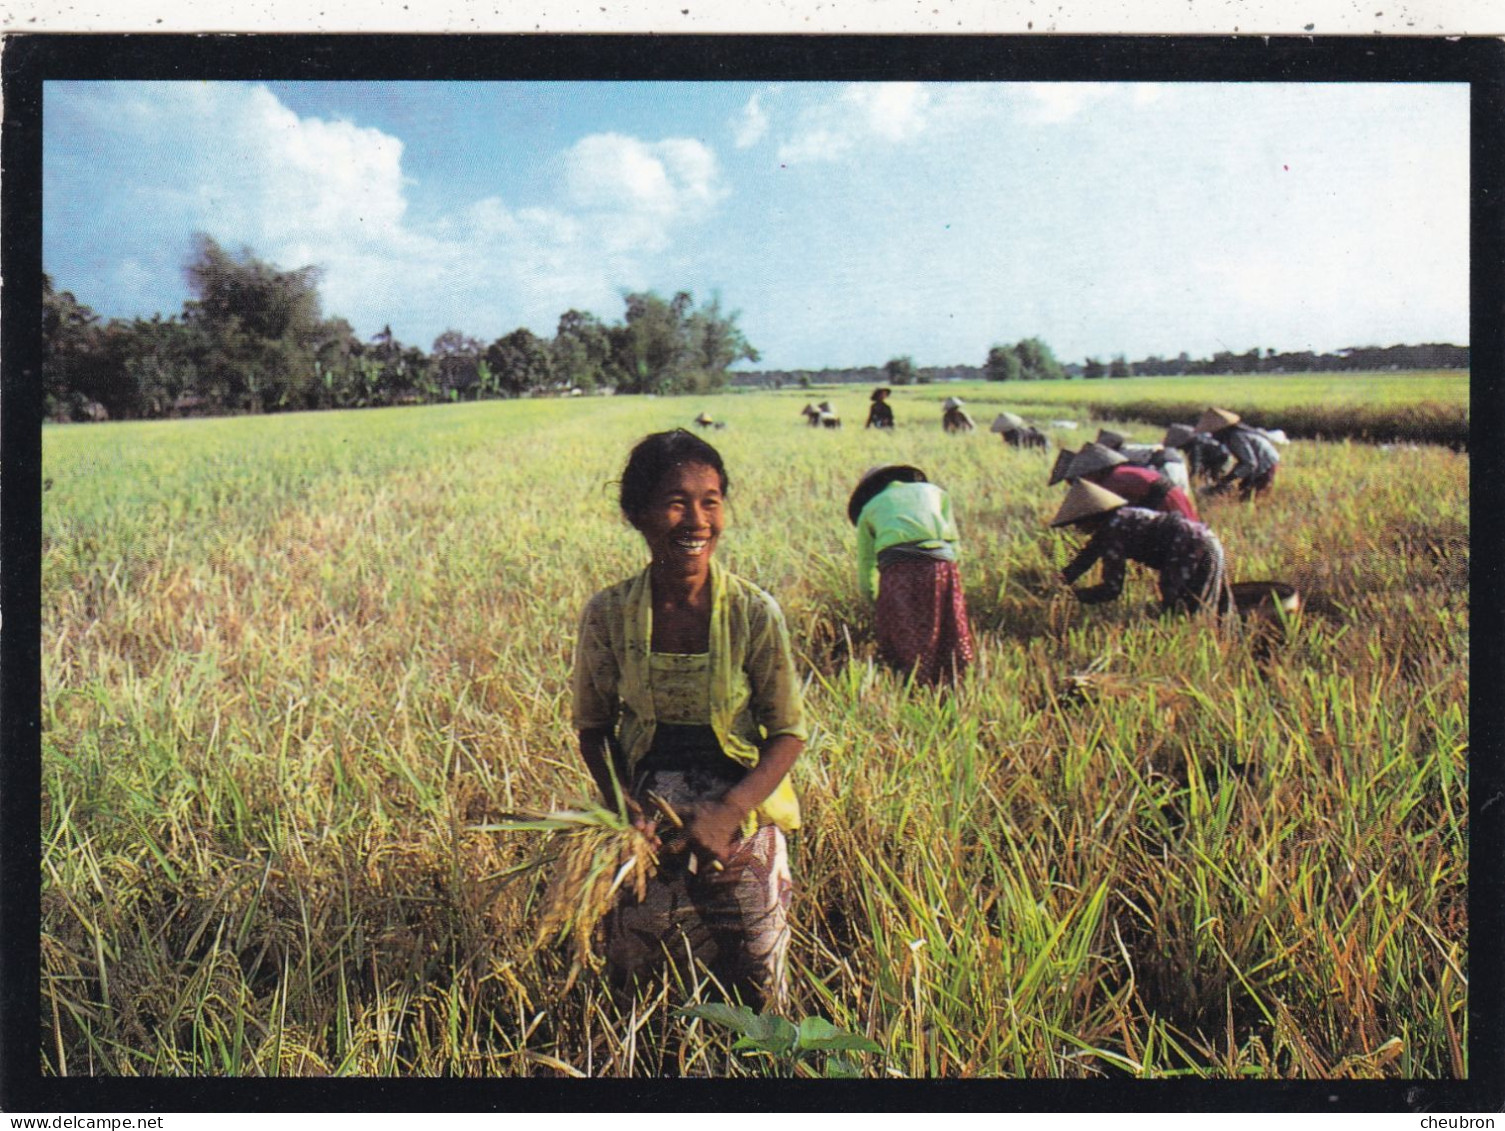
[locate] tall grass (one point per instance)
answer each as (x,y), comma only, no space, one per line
(290,663)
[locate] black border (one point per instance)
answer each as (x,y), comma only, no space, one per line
(30,60)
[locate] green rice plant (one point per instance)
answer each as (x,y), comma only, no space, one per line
(290,666)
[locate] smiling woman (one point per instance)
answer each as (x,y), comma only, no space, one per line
(685,690)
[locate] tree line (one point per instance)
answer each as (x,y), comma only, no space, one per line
(253,339)
(1032,360)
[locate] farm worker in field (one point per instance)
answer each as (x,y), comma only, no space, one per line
(1255,457)
(1141,486)
(1188,556)
(1166,460)
(1015,433)
(1204,457)
(880,415)
(906,561)
(954,416)
(685,690)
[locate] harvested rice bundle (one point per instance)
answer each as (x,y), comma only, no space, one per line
(592,854)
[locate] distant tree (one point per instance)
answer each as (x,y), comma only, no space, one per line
(1003,364)
(1118,367)
(716,343)
(520,361)
(70,347)
(457,364)
(582,350)
(1092,369)
(899,370)
(650,347)
(261,327)
(669,346)
(158,359)
(1037,362)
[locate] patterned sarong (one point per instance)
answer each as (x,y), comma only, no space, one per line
(734,922)
(1193,576)
(922,619)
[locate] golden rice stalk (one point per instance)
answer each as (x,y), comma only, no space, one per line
(590,856)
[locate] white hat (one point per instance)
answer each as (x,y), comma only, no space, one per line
(952,402)
(1085,500)
(1006,422)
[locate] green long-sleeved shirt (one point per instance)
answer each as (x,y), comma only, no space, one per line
(901,514)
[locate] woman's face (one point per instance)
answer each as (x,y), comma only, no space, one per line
(684,518)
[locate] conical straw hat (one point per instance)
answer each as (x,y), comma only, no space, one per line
(1058,469)
(1093,457)
(1085,500)
(1177,435)
(1110,439)
(1006,422)
(825,406)
(703,418)
(952,402)
(808,410)
(882,391)
(1216,419)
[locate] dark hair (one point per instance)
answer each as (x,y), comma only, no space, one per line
(870,486)
(654,457)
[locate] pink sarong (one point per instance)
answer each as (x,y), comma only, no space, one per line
(922,619)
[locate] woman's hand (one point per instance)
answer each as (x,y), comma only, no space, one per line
(643,822)
(713,828)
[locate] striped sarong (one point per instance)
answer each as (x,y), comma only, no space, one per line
(735,922)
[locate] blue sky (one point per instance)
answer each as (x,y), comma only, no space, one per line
(847,223)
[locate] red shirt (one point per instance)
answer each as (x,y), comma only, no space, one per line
(1136,484)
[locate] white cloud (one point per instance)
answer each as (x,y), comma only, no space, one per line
(861,114)
(1053,102)
(233,161)
(632,195)
(612,173)
(751,125)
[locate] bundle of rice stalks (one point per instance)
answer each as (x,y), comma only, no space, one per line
(1095,684)
(592,854)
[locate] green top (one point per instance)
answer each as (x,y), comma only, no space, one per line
(902,514)
(754,689)
(681,687)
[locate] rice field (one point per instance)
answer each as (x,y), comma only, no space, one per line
(295,669)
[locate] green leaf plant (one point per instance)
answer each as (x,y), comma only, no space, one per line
(789,1049)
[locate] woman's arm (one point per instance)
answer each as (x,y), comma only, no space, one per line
(595,748)
(1084,560)
(867,561)
(779,710)
(1111,583)
(715,825)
